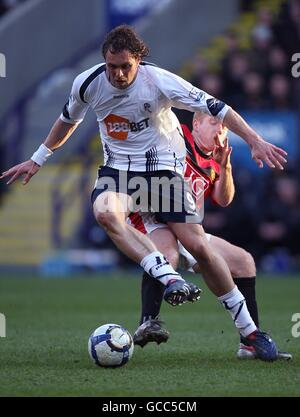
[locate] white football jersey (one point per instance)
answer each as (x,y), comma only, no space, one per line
(138,129)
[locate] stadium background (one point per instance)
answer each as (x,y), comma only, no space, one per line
(239,51)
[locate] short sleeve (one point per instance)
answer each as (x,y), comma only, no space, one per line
(75,109)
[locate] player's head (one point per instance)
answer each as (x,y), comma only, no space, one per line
(123,50)
(205,129)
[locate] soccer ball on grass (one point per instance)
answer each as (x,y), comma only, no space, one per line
(110,345)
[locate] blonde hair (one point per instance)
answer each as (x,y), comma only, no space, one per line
(200,116)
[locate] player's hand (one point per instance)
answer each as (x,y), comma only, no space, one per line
(272,155)
(27,168)
(222,152)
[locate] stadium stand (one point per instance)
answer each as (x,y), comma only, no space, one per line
(247,64)
(250,68)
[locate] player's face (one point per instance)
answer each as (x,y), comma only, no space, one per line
(205,132)
(121,68)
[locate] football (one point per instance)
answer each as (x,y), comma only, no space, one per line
(110,345)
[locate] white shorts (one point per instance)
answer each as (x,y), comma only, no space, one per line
(146,223)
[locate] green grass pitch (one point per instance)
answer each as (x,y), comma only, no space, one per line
(48,322)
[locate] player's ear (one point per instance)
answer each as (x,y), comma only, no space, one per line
(195,123)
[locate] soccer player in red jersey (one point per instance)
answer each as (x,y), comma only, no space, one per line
(209,173)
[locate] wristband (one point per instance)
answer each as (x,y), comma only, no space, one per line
(41,155)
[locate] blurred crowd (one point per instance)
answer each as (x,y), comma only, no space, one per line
(257,77)
(264,218)
(265,215)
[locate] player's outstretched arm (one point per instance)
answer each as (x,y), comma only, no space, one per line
(58,135)
(261,150)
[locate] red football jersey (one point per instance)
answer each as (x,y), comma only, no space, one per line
(201,170)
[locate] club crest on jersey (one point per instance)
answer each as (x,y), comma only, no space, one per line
(118,127)
(147,107)
(196,94)
(198,184)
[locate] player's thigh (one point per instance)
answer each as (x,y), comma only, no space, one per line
(239,261)
(110,197)
(166,243)
(111,202)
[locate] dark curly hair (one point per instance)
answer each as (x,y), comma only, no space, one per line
(124,38)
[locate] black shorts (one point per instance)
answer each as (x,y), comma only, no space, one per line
(164,193)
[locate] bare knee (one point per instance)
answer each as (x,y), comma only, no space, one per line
(110,210)
(109,221)
(244,266)
(249,264)
(201,250)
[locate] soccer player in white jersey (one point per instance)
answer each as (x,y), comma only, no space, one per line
(142,144)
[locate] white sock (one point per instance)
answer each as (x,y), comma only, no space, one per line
(235,303)
(156,265)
